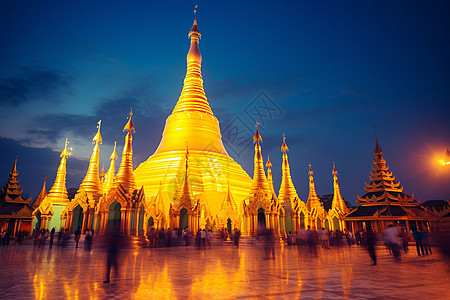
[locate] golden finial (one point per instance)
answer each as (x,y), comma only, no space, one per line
(334,170)
(194,30)
(65,153)
(284,147)
(114,154)
(268,163)
(98,136)
(257,137)
(129,126)
(311,173)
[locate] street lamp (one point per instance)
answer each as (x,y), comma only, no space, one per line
(446,160)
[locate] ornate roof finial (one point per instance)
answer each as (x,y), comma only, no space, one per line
(195,33)
(114,154)
(284,147)
(268,163)
(311,173)
(65,153)
(257,137)
(334,172)
(98,136)
(378,149)
(129,126)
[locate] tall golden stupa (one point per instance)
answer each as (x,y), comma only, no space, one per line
(193,126)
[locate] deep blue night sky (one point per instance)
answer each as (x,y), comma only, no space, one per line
(330,69)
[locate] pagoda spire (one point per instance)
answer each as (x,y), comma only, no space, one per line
(125,176)
(11,191)
(109,177)
(338,202)
(193,96)
(287,190)
(269,175)
(41,196)
(91,182)
(313,199)
(382,187)
(185,195)
(259,176)
(58,192)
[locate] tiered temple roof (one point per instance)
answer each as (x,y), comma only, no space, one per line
(384,198)
(12,204)
(382,188)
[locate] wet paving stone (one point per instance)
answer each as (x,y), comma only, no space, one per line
(222,272)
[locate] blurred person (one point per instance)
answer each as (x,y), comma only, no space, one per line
(324,238)
(209,236)
(236,237)
(269,246)
(88,240)
(371,240)
(349,237)
(405,240)
(198,239)
(310,237)
(203,238)
(60,236)
(289,238)
(426,241)
(358,238)
(418,238)
(186,235)
(77,236)
(52,237)
(113,245)
(392,238)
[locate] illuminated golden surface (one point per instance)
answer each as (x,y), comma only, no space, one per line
(58,192)
(259,176)
(287,190)
(109,177)
(91,182)
(220,273)
(313,199)
(192,124)
(125,176)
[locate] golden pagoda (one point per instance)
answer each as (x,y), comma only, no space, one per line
(80,211)
(263,210)
(110,175)
(122,206)
(41,196)
(385,202)
(317,213)
(49,213)
(288,196)
(336,214)
(192,124)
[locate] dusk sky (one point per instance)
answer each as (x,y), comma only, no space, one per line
(328,71)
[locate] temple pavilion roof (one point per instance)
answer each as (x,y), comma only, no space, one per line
(383,189)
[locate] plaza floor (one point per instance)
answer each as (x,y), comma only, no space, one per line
(222,272)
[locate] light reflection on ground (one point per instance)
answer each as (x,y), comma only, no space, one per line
(222,272)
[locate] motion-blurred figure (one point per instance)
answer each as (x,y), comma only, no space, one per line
(371,240)
(113,245)
(392,238)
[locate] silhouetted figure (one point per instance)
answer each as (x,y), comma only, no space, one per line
(77,236)
(186,235)
(405,240)
(114,242)
(52,237)
(236,237)
(371,240)
(269,247)
(392,237)
(426,241)
(418,238)
(88,240)
(310,237)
